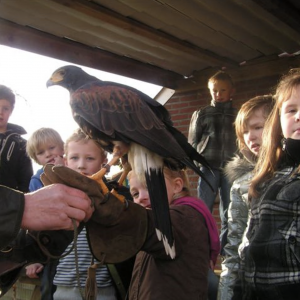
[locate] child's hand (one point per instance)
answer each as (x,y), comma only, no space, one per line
(34,269)
(59,160)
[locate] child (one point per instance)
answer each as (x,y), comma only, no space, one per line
(212,133)
(272,268)
(85,156)
(15,166)
(44,146)
(196,242)
(119,230)
(249,126)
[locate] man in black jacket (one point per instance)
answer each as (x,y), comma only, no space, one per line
(55,209)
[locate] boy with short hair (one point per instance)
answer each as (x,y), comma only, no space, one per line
(212,133)
(45,146)
(85,156)
(15,165)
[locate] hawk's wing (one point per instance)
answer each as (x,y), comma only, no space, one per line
(112,112)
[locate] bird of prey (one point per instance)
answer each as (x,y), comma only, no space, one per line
(127,122)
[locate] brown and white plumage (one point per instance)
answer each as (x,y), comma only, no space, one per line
(116,115)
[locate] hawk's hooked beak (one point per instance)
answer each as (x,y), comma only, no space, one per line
(56,78)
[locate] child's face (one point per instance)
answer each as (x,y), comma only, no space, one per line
(290,115)
(50,153)
(5,112)
(221,90)
(253,131)
(84,157)
(140,194)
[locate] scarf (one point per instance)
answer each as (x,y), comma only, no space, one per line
(211,225)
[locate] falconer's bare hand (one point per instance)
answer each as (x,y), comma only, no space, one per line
(53,208)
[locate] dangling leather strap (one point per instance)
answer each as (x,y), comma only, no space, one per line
(117,280)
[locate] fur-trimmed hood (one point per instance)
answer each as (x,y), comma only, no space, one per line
(237,167)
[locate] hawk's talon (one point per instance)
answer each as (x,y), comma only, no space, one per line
(98,178)
(106,167)
(126,204)
(118,196)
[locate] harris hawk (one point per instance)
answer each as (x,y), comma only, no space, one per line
(129,123)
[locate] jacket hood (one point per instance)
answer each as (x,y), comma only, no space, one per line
(237,167)
(14,128)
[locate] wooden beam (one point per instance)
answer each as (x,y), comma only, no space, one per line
(283,10)
(33,40)
(108,16)
(271,66)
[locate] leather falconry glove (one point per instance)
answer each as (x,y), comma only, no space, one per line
(31,247)
(117,229)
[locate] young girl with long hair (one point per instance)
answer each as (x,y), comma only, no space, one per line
(249,125)
(272,259)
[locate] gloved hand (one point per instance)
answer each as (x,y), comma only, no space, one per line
(32,246)
(61,174)
(104,214)
(116,230)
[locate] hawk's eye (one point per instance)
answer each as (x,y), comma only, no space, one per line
(62,72)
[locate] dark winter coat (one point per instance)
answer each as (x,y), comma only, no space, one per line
(11,213)
(15,165)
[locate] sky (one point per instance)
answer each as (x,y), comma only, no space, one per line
(36,105)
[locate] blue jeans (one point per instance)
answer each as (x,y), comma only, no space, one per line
(47,277)
(220,185)
(213,285)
